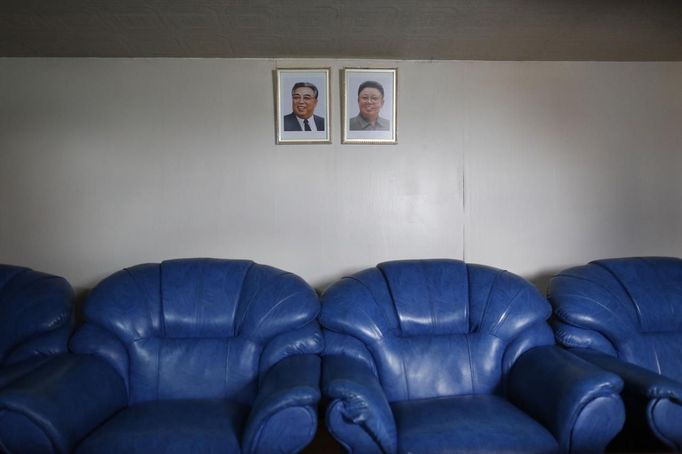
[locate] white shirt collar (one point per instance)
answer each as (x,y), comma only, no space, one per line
(311,122)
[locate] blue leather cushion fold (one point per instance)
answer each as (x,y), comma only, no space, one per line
(342,344)
(654,285)
(273,302)
(573,337)
(200,296)
(193,369)
(283,417)
(468,424)
(15,371)
(538,335)
(504,304)
(638,381)
(360,306)
(629,307)
(171,426)
(45,344)
(21,435)
(436,297)
(429,297)
(8,272)
(421,367)
(591,298)
(668,352)
(357,401)
(128,303)
(666,416)
(304,341)
(92,339)
(64,399)
(32,304)
(555,387)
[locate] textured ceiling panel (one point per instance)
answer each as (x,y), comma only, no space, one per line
(636,30)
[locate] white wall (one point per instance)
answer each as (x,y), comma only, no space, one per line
(527,166)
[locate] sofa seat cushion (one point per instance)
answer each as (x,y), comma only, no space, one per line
(468,424)
(15,371)
(171,426)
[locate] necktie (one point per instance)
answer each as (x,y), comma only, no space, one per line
(306,125)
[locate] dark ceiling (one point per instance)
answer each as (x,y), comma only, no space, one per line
(607,30)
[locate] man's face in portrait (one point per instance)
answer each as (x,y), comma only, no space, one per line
(303,102)
(370,102)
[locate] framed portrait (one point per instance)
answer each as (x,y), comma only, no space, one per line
(369,105)
(302,101)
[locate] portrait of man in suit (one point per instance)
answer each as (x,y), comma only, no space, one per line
(302,106)
(303,103)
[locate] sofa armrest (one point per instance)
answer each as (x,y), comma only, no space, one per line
(638,381)
(578,402)
(284,415)
(59,403)
(359,415)
(652,400)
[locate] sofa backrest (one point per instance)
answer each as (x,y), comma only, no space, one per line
(36,314)
(431,328)
(198,328)
(626,307)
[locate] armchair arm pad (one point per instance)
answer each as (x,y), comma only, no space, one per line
(357,400)
(638,380)
(578,402)
(284,415)
(60,401)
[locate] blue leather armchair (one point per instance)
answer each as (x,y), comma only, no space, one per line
(36,319)
(625,315)
(186,356)
(437,356)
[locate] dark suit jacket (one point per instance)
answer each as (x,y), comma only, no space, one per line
(292,124)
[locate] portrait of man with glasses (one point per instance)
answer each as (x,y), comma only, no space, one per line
(369,105)
(370,102)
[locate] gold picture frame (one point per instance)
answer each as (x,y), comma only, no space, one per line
(301,93)
(369,106)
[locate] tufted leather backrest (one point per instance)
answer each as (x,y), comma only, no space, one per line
(35,314)
(432,328)
(626,307)
(198,328)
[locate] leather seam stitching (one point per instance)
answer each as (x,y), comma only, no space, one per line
(371,294)
(627,292)
(487,300)
(237,324)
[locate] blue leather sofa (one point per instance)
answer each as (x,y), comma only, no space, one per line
(438,356)
(625,315)
(187,356)
(36,319)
